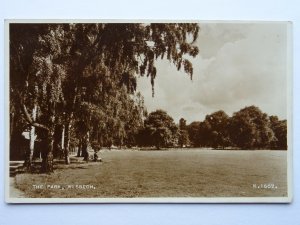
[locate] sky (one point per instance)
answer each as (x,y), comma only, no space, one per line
(239,64)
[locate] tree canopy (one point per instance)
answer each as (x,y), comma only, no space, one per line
(250,128)
(160,129)
(84,75)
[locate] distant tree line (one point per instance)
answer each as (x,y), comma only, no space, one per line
(248,128)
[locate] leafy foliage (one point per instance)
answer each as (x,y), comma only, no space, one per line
(160,129)
(279,128)
(193,132)
(215,128)
(250,128)
(183,136)
(84,76)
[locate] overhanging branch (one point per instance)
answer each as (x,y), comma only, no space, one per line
(29,119)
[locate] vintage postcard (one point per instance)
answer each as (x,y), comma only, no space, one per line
(148,111)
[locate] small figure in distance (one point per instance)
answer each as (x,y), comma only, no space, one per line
(96,158)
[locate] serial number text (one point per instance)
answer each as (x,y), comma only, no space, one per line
(264,186)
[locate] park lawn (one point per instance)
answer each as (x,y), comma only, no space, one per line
(172,173)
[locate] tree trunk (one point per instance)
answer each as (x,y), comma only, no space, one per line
(79,148)
(85,145)
(82,148)
(85,152)
(28,159)
(47,155)
(66,142)
(157,146)
(47,163)
(12,121)
(57,145)
(29,151)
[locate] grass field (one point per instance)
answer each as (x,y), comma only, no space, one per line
(172,173)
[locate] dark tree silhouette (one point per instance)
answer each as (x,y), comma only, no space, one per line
(183,136)
(161,129)
(279,128)
(250,128)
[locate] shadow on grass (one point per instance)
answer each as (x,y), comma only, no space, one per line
(57,165)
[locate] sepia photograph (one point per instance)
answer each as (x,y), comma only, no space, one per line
(148,111)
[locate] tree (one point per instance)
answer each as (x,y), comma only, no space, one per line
(279,128)
(215,129)
(135,113)
(204,134)
(124,51)
(182,124)
(183,136)
(250,128)
(193,132)
(50,64)
(35,81)
(161,129)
